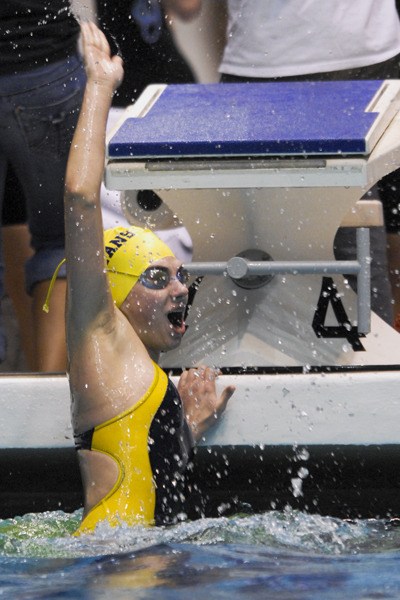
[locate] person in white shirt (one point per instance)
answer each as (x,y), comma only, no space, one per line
(310,40)
(288,38)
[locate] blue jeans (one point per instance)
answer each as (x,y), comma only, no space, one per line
(38,114)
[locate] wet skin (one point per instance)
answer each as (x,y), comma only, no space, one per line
(148,311)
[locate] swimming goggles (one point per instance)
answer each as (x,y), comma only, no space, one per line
(157,278)
(153,278)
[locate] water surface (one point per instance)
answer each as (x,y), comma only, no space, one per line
(285,554)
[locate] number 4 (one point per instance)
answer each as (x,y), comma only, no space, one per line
(344,329)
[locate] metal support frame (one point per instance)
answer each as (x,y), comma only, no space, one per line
(238,268)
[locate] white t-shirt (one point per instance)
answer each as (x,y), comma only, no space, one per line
(278,38)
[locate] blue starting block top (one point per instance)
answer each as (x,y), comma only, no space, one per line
(274,119)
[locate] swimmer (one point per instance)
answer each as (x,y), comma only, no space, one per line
(126,300)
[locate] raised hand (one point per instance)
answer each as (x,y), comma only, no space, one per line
(101,67)
(202,404)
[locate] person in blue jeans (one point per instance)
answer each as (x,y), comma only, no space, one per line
(15,234)
(41,88)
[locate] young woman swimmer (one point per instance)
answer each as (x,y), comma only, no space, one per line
(126,299)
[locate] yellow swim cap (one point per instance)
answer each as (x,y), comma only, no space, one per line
(128,252)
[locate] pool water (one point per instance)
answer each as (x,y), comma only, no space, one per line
(281,555)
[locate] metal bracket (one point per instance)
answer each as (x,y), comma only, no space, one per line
(237,268)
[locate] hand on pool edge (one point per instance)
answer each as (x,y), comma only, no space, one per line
(201,402)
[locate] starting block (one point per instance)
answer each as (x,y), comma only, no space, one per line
(270,167)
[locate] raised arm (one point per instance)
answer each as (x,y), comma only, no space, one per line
(89,298)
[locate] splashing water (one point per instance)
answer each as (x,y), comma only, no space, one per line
(290,553)
(49,534)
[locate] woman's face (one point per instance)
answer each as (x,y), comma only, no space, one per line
(157,314)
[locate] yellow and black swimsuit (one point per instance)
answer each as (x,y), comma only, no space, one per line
(151,444)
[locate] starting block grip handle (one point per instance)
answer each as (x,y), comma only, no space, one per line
(364,280)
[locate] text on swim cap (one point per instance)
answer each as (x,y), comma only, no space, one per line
(117,242)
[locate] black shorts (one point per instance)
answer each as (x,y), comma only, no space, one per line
(389,193)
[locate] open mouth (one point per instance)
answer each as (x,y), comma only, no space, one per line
(176,318)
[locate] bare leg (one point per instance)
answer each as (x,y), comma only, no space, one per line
(18,237)
(49,328)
